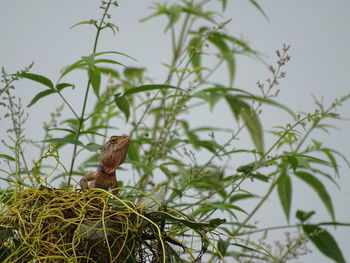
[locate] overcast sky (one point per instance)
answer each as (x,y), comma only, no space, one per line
(318,32)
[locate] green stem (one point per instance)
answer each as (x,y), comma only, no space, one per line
(260,163)
(257,207)
(17,131)
(81,119)
(267,229)
(67,103)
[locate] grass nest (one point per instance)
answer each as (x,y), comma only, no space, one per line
(50,225)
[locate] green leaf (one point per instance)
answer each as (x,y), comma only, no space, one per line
(93,147)
(226,54)
(38,78)
(238,197)
(113,52)
(304,216)
(113,27)
(325,242)
(246,248)
(213,206)
(224,89)
(75,65)
(211,97)
(224,4)
(207,144)
(7,157)
(260,177)
(109,71)
(222,246)
(61,86)
(95,78)
(284,188)
(213,223)
(123,104)
(257,6)
(47,92)
(64,141)
(108,61)
(319,188)
(196,9)
(133,73)
(133,151)
(174,13)
(195,49)
(247,168)
(328,153)
(40,95)
(150,87)
(89,22)
(83,62)
(63,129)
(89,60)
(269,102)
(250,118)
(293,162)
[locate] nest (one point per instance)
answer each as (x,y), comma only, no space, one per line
(49,225)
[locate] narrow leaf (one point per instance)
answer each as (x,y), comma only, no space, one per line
(7,157)
(108,61)
(319,188)
(257,6)
(90,61)
(133,73)
(238,197)
(332,159)
(109,71)
(226,54)
(269,102)
(304,216)
(174,13)
(195,49)
(47,92)
(75,65)
(38,78)
(284,188)
(224,4)
(293,162)
(251,120)
(40,95)
(133,152)
(64,141)
(95,78)
(61,86)
(93,147)
(150,87)
(325,242)
(89,22)
(123,104)
(114,52)
(219,87)
(222,246)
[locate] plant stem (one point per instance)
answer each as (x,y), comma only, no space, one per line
(81,119)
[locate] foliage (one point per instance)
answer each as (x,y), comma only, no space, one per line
(179,205)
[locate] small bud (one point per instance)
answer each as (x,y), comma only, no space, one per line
(278,53)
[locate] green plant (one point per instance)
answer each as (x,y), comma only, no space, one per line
(193,203)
